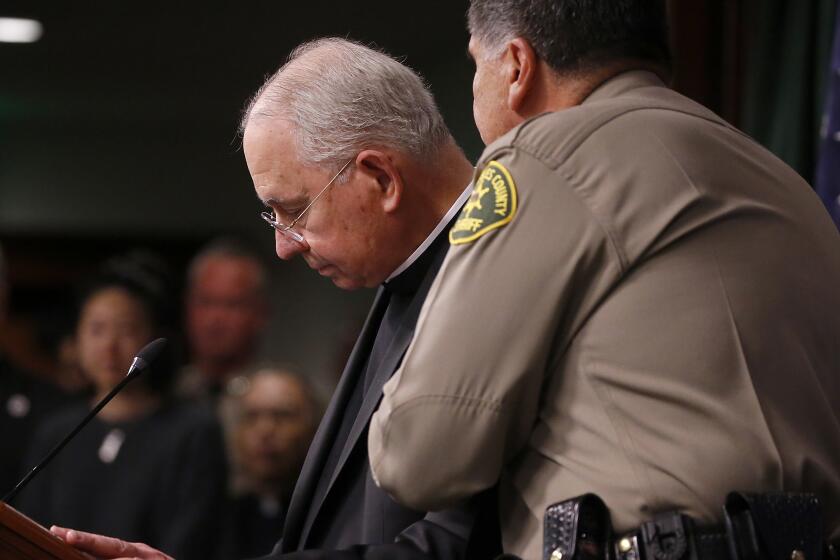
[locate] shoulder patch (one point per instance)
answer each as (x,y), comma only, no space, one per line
(491,205)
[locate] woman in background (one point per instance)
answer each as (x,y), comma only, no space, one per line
(146,468)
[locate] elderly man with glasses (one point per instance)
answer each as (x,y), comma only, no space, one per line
(362,179)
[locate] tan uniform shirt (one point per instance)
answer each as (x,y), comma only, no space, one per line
(658,322)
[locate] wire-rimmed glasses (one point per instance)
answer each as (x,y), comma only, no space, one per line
(287,230)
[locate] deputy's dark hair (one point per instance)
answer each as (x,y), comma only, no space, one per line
(574,36)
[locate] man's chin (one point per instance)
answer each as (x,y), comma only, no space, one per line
(342,280)
(346,283)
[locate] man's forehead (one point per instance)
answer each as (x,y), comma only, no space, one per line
(272,159)
(262,129)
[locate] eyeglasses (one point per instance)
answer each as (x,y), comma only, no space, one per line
(287,230)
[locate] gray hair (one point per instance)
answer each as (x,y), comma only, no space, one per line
(342,97)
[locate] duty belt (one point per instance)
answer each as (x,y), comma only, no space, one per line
(773,526)
(672,536)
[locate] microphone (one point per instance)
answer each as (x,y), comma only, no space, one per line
(142,362)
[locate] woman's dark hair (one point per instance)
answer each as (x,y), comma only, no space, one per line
(146,278)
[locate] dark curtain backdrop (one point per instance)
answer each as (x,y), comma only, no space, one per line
(787,61)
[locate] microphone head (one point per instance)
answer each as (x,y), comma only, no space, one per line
(146,356)
(152,350)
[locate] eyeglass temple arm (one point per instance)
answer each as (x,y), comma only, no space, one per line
(317,196)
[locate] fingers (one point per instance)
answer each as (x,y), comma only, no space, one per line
(107,547)
(97,545)
(61,533)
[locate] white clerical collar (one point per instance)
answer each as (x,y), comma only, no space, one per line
(435,232)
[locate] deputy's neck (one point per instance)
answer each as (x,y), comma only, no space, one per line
(557,91)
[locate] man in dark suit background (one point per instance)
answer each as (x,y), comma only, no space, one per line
(24,401)
(362,179)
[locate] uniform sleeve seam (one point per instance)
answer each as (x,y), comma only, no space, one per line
(516,143)
(473,403)
(608,232)
(559,169)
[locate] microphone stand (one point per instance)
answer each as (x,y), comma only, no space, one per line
(137,367)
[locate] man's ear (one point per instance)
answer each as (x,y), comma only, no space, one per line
(520,68)
(380,168)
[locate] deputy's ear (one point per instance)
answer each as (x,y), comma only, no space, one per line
(520,69)
(384,175)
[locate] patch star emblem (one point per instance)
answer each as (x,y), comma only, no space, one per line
(491,205)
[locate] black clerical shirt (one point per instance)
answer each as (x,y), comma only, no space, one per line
(400,292)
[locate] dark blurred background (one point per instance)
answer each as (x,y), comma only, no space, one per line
(118,130)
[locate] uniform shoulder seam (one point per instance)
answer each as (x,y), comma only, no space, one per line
(522,142)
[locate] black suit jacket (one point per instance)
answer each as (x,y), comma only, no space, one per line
(354,518)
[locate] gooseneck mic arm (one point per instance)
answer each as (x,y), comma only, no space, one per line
(141,363)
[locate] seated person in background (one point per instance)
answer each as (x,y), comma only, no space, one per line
(24,401)
(146,468)
(276,417)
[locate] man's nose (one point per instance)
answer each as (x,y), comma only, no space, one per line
(287,248)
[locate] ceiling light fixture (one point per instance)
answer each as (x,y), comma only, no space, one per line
(20,30)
